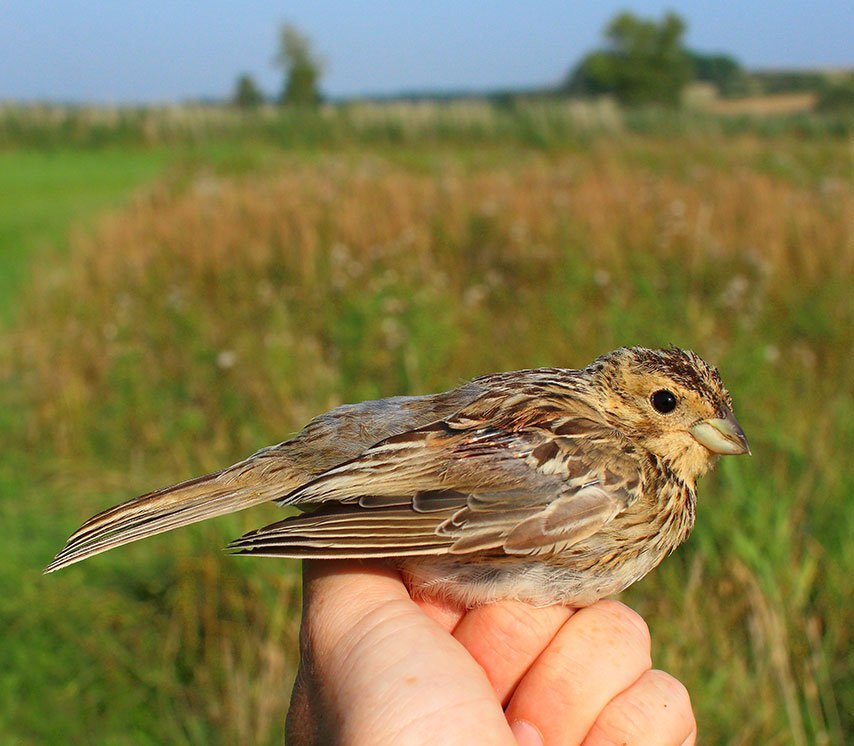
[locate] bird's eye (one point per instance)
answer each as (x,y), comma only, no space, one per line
(663,401)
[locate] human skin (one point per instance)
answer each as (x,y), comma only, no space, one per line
(380,668)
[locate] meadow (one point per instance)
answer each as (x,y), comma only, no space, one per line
(210,286)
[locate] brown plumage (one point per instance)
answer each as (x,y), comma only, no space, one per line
(547,485)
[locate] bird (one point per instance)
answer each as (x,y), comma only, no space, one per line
(546,485)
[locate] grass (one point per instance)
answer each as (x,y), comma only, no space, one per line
(257,286)
(539,122)
(45,191)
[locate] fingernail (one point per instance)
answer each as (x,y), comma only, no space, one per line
(526,734)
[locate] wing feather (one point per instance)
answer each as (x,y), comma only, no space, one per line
(446,489)
(357,533)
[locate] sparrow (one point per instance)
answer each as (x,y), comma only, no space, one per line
(548,486)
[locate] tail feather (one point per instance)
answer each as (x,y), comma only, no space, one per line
(238,487)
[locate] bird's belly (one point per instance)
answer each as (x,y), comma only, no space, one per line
(532,581)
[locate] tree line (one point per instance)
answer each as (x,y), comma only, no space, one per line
(641,62)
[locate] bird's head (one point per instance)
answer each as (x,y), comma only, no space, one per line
(670,402)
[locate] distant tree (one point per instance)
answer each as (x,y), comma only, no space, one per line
(722,70)
(301,66)
(643,62)
(247,95)
(789,81)
(837,96)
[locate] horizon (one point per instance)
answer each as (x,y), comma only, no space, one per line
(395,95)
(89,53)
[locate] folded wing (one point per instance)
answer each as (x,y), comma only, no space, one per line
(455,489)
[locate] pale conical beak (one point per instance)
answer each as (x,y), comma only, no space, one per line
(722,435)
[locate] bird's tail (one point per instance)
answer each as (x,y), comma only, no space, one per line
(240,486)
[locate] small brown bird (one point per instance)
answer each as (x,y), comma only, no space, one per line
(547,485)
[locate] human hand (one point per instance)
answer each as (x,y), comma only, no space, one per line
(379,668)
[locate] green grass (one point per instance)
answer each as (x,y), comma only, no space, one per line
(46,191)
(45,195)
(336,274)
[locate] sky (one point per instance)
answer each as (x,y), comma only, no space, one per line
(159,51)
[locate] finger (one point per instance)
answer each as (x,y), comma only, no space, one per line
(383,670)
(448,615)
(654,711)
(601,651)
(505,638)
(303,725)
(364,585)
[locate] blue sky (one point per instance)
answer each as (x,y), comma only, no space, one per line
(157,51)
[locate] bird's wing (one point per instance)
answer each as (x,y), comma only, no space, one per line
(457,487)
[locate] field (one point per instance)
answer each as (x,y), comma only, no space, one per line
(209,288)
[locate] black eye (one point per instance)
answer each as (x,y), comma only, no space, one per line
(663,401)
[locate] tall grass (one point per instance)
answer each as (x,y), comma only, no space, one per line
(538,122)
(221,311)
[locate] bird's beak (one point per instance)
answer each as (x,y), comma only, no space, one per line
(721,435)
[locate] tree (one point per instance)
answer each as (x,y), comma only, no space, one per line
(247,95)
(301,67)
(643,62)
(837,96)
(722,70)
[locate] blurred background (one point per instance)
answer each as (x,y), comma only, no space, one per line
(216,223)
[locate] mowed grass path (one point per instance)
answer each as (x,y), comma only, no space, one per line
(43,193)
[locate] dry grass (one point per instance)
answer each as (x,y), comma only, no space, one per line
(251,271)
(772,105)
(216,316)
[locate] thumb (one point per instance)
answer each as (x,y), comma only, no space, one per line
(381,670)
